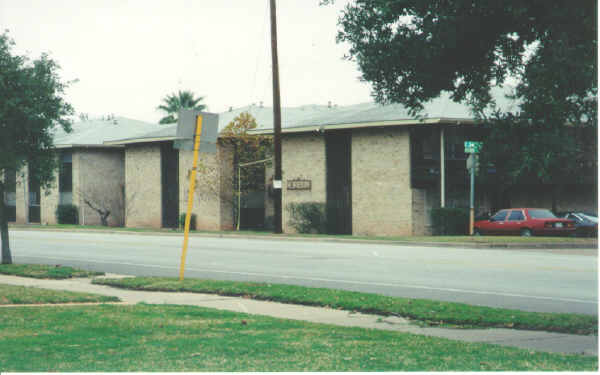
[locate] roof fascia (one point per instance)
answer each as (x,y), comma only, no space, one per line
(141,140)
(75,145)
(372,124)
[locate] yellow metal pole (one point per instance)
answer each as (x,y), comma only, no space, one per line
(190,196)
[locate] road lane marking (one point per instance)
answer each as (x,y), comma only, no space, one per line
(340,281)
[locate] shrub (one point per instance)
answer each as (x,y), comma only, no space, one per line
(67,214)
(308,217)
(192,222)
(450,221)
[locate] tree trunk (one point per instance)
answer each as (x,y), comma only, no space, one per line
(6,256)
(104,218)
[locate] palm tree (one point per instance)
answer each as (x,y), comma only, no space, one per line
(172,103)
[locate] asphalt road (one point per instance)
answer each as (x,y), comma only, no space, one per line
(520,279)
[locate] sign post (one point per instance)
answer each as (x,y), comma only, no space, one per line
(472,198)
(196,131)
(472,148)
(190,196)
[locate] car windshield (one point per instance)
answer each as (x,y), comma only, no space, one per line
(541,214)
(593,219)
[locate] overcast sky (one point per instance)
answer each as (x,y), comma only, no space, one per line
(128,54)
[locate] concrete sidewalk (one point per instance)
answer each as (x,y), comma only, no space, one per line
(533,340)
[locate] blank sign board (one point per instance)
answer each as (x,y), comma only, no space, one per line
(186,128)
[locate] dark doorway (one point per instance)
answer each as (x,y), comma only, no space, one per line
(339,182)
(253,210)
(65,179)
(169,167)
(34,198)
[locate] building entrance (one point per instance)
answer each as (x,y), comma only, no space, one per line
(169,165)
(339,182)
(34,200)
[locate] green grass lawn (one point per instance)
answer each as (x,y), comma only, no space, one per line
(165,338)
(425,311)
(415,239)
(42,271)
(19,295)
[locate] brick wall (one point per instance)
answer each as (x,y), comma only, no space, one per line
(303,157)
(21,194)
(225,155)
(382,200)
(49,202)
(424,200)
(142,186)
(269,201)
(214,191)
(100,179)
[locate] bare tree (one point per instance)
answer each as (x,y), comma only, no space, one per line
(128,203)
(102,204)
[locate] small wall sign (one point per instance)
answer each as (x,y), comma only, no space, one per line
(298,184)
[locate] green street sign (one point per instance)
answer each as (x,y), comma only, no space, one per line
(472,147)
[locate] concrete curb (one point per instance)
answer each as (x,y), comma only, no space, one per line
(531,340)
(593,245)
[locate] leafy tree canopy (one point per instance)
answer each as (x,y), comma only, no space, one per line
(240,126)
(248,148)
(172,103)
(412,50)
(31,108)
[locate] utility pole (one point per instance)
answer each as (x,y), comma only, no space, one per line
(277,184)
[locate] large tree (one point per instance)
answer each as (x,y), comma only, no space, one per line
(248,148)
(31,109)
(412,50)
(172,103)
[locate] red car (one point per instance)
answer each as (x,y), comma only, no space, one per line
(525,222)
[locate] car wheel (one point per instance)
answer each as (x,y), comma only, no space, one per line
(526,232)
(476,232)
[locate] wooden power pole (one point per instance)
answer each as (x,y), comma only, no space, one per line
(277,183)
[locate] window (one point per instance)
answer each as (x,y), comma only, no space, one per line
(541,214)
(516,216)
(455,150)
(590,218)
(65,179)
(501,215)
